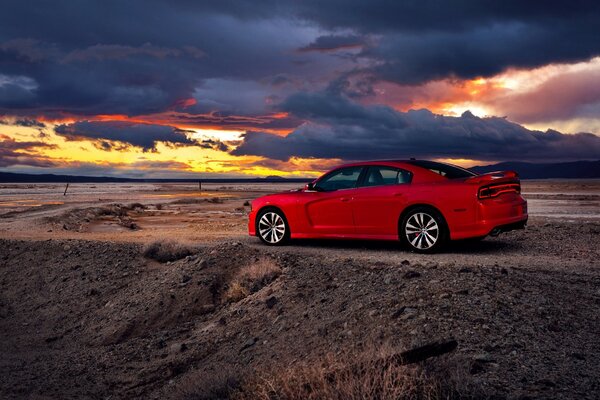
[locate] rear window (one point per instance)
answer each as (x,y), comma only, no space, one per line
(445,170)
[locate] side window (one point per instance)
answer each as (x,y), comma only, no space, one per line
(380,175)
(344,178)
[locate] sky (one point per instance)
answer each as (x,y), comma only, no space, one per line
(187,89)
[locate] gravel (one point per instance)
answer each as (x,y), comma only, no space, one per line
(97,319)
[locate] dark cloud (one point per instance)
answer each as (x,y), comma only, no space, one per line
(90,58)
(340,128)
(13,152)
(214,145)
(334,43)
(145,136)
(482,51)
(25,122)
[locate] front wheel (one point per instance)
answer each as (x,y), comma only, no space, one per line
(272,227)
(423,230)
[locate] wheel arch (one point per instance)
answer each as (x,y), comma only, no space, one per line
(411,207)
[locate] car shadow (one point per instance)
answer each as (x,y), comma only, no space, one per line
(486,246)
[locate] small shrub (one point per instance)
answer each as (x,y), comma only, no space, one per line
(166,250)
(134,206)
(236,292)
(252,278)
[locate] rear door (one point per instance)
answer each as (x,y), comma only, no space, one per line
(328,209)
(379,200)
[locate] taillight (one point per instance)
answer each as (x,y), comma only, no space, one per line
(487,192)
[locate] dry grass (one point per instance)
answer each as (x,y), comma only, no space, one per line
(251,278)
(370,375)
(236,292)
(195,200)
(166,250)
(371,378)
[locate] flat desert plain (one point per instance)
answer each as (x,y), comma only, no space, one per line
(156,291)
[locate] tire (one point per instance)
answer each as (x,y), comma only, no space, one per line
(423,230)
(272,227)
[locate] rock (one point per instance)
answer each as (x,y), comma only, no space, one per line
(178,347)
(476,368)
(202,263)
(405,262)
(398,312)
(444,295)
(578,356)
(409,313)
(465,270)
(66,247)
(52,339)
(483,357)
(249,343)
(412,274)
(271,301)
(186,278)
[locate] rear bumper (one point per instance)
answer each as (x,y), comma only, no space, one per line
(509,227)
(495,216)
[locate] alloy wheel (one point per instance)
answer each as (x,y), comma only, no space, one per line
(271,227)
(422,231)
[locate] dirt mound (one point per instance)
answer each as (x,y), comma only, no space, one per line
(88,319)
(79,219)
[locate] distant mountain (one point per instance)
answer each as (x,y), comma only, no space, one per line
(11,177)
(569,170)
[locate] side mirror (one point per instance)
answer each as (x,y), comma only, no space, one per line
(309,186)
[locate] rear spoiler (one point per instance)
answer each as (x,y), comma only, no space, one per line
(493,176)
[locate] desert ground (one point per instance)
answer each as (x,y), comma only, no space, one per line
(156,291)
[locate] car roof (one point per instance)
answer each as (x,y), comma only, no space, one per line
(423,167)
(376,162)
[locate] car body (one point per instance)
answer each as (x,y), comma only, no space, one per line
(372,200)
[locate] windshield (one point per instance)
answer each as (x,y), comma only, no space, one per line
(446,170)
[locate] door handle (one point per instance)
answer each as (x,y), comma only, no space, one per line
(345,199)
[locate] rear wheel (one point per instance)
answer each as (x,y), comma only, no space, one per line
(272,227)
(423,230)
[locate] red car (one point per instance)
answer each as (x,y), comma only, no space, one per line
(422,203)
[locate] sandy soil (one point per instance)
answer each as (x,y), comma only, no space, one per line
(83,314)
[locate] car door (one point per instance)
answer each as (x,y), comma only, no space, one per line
(328,208)
(379,200)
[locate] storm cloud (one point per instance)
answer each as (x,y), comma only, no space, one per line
(318,69)
(89,57)
(341,128)
(145,136)
(13,152)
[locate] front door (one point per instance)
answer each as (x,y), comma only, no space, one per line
(328,209)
